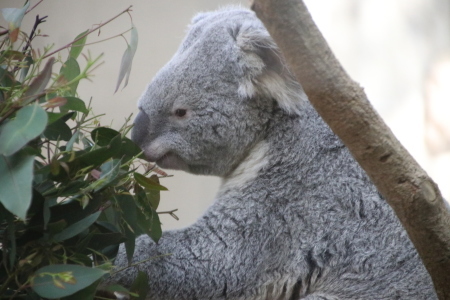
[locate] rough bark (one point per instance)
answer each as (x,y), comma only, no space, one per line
(343,104)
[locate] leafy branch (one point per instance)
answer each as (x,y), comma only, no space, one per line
(70,189)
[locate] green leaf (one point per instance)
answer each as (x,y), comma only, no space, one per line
(76,228)
(55,102)
(74,103)
(13,55)
(6,78)
(149,222)
(149,183)
(39,83)
(103,135)
(110,170)
(87,293)
(53,117)
(16,175)
(12,240)
(140,285)
(70,70)
(29,123)
(14,16)
(77,47)
(24,71)
(59,130)
(70,188)
(102,240)
(100,155)
(130,244)
(155,229)
(127,59)
(74,139)
(56,227)
(154,198)
(129,149)
(56,281)
(129,212)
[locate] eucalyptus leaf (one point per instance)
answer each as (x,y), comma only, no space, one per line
(149,183)
(128,209)
(74,139)
(55,102)
(154,198)
(103,135)
(76,228)
(103,240)
(39,83)
(14,18)
(140,286)
(13,55)
(16,175)
(58,130)
(88,293)
(70,70)
(155,229)
(56,281)
(130,244)
(6,78)
(24,71)
(109,171)
(129,150)
(28,124)
(127,59)
(98,156)
(77,46)
(52,117)
(149,222)
(74,103)
(12,239)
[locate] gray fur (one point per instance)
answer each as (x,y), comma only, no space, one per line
(296,217)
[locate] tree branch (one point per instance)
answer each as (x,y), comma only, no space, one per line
(343,104)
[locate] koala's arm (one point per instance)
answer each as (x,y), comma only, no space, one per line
(200,262)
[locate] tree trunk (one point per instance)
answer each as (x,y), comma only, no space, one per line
(343,104)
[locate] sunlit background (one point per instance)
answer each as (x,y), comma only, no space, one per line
(399,51)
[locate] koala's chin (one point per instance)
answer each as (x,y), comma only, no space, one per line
(172,161)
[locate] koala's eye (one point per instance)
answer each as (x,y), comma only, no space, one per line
(180,112)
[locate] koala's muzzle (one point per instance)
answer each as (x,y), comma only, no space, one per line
(139,132)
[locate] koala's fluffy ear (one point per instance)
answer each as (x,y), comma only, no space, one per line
(264,69)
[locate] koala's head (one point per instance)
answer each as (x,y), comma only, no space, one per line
(211,104)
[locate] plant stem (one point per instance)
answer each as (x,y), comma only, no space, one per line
(10,112)
(106,39)
(34,6)
(33,32)
(90,31)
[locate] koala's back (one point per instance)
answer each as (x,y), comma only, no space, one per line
(325,228)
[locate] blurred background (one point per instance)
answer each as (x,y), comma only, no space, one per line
(399,51)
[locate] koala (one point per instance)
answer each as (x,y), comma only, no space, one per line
(295,217)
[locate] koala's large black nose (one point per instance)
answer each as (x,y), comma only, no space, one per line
(139,132)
